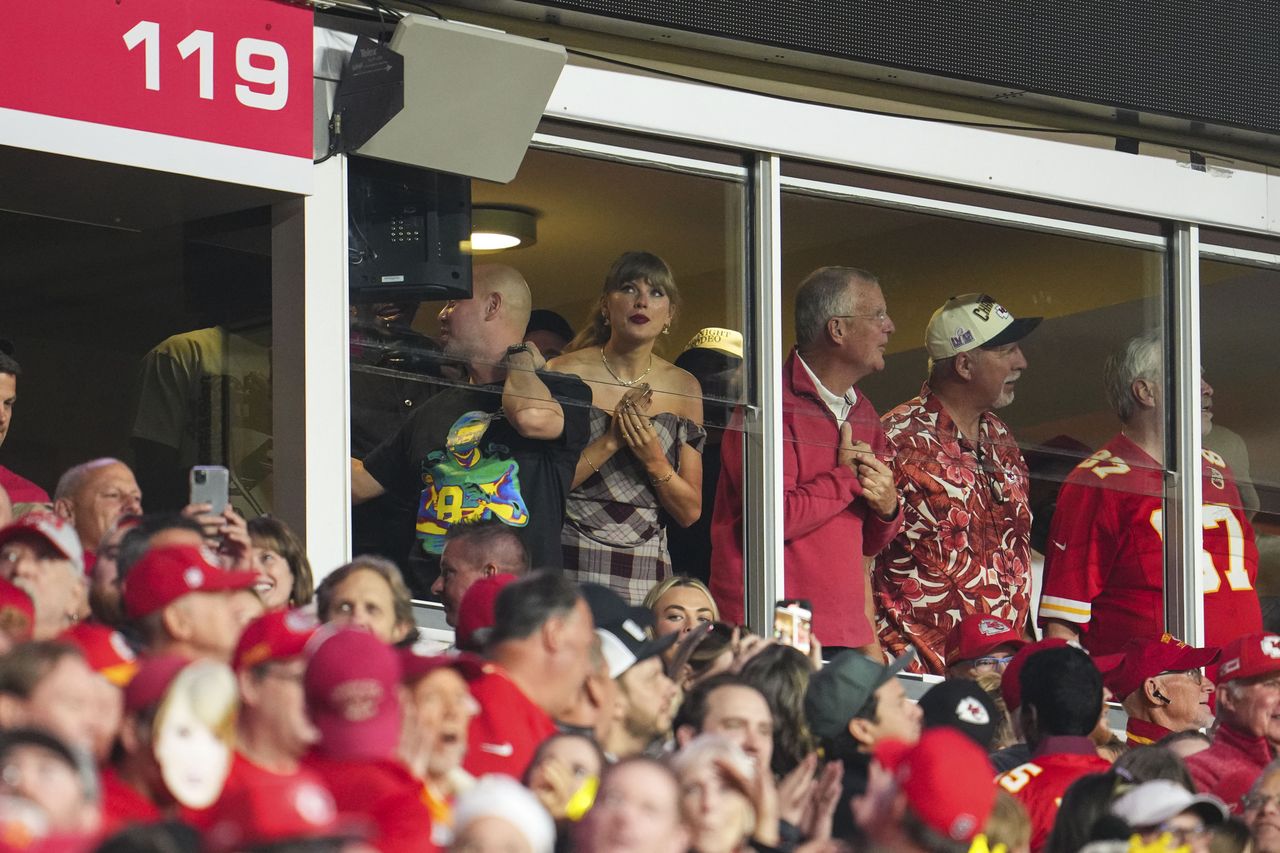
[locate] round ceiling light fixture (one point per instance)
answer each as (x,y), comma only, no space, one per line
(496,228)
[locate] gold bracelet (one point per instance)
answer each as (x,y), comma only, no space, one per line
(589,462)
(660,481)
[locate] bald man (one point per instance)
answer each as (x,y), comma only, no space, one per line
(502,448)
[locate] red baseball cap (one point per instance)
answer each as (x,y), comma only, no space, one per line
(164,575)
(105,650)
(1010,686)
(475,611)
(977,634)
(416,663)
(55,530)
(17,612)
(279,635)
(946,778)
(272,810)
(1250,655)
(147,687)
(1144,658)
(351,684)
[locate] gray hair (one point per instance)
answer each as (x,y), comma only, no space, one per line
(1140,358)
(71,481)
(825,294)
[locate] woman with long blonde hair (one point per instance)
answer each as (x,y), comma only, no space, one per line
(645,453)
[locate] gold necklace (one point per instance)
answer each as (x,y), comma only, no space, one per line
(625,382)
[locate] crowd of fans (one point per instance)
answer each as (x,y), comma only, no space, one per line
(171,678)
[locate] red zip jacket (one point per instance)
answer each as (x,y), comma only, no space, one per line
(828,528)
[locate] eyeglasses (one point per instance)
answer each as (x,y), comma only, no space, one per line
(879,318)
(1258,802)
(1194,674)
(1183,835)
(988,664)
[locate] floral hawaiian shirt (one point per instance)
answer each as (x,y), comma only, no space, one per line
(965,544)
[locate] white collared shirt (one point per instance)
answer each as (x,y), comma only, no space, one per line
(838,404)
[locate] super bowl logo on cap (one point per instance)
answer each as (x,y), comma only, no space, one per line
(989,627)
(961,337)
(972,712)
(1271,646)
(193,577)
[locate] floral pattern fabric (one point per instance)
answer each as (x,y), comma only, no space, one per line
(965,543)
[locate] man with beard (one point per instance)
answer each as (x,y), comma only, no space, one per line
(503,447)
(645,698)
(965,543)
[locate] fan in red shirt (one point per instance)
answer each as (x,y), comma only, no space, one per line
(352,684)
(1061,702)
(1104,566)
(539,652)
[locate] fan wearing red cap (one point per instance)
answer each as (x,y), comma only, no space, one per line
(352,688)
(438,713)
(934,795)
(540,651)
(1160,684)
(40,554)
(1059,702)
(182,603)
(981,642)
(1248,711)
(273,732)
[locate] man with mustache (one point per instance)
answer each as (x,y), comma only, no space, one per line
(965,543)
(1104,562)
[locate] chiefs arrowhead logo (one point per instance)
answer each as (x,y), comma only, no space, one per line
(1271,646)
(989,626)
(971,711)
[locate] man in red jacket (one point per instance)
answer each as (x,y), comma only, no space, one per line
(840,501)
(1248,710)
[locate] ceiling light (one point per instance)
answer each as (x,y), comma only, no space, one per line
(496,228)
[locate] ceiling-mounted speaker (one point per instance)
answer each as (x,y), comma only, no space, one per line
(473,98)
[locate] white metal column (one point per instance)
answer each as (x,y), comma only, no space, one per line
(1183,533)
(310,364)
(762,480)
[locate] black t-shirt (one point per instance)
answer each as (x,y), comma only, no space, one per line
(490,471)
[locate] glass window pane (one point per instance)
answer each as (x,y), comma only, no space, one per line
(977,524)
(634,521)
(1238,367)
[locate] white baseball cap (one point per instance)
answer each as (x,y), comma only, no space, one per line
(970,321)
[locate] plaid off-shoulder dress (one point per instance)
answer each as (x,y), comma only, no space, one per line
(612,535)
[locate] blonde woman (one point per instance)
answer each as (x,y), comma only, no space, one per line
(645,453)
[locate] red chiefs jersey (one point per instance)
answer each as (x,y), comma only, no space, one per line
(1104,566)
(1040,783)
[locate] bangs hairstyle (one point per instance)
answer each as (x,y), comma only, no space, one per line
(274,535)
(631,266)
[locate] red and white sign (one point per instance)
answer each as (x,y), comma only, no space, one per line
(213,88)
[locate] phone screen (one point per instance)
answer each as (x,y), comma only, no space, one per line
(793,624)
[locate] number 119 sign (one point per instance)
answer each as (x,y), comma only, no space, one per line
(229,72)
